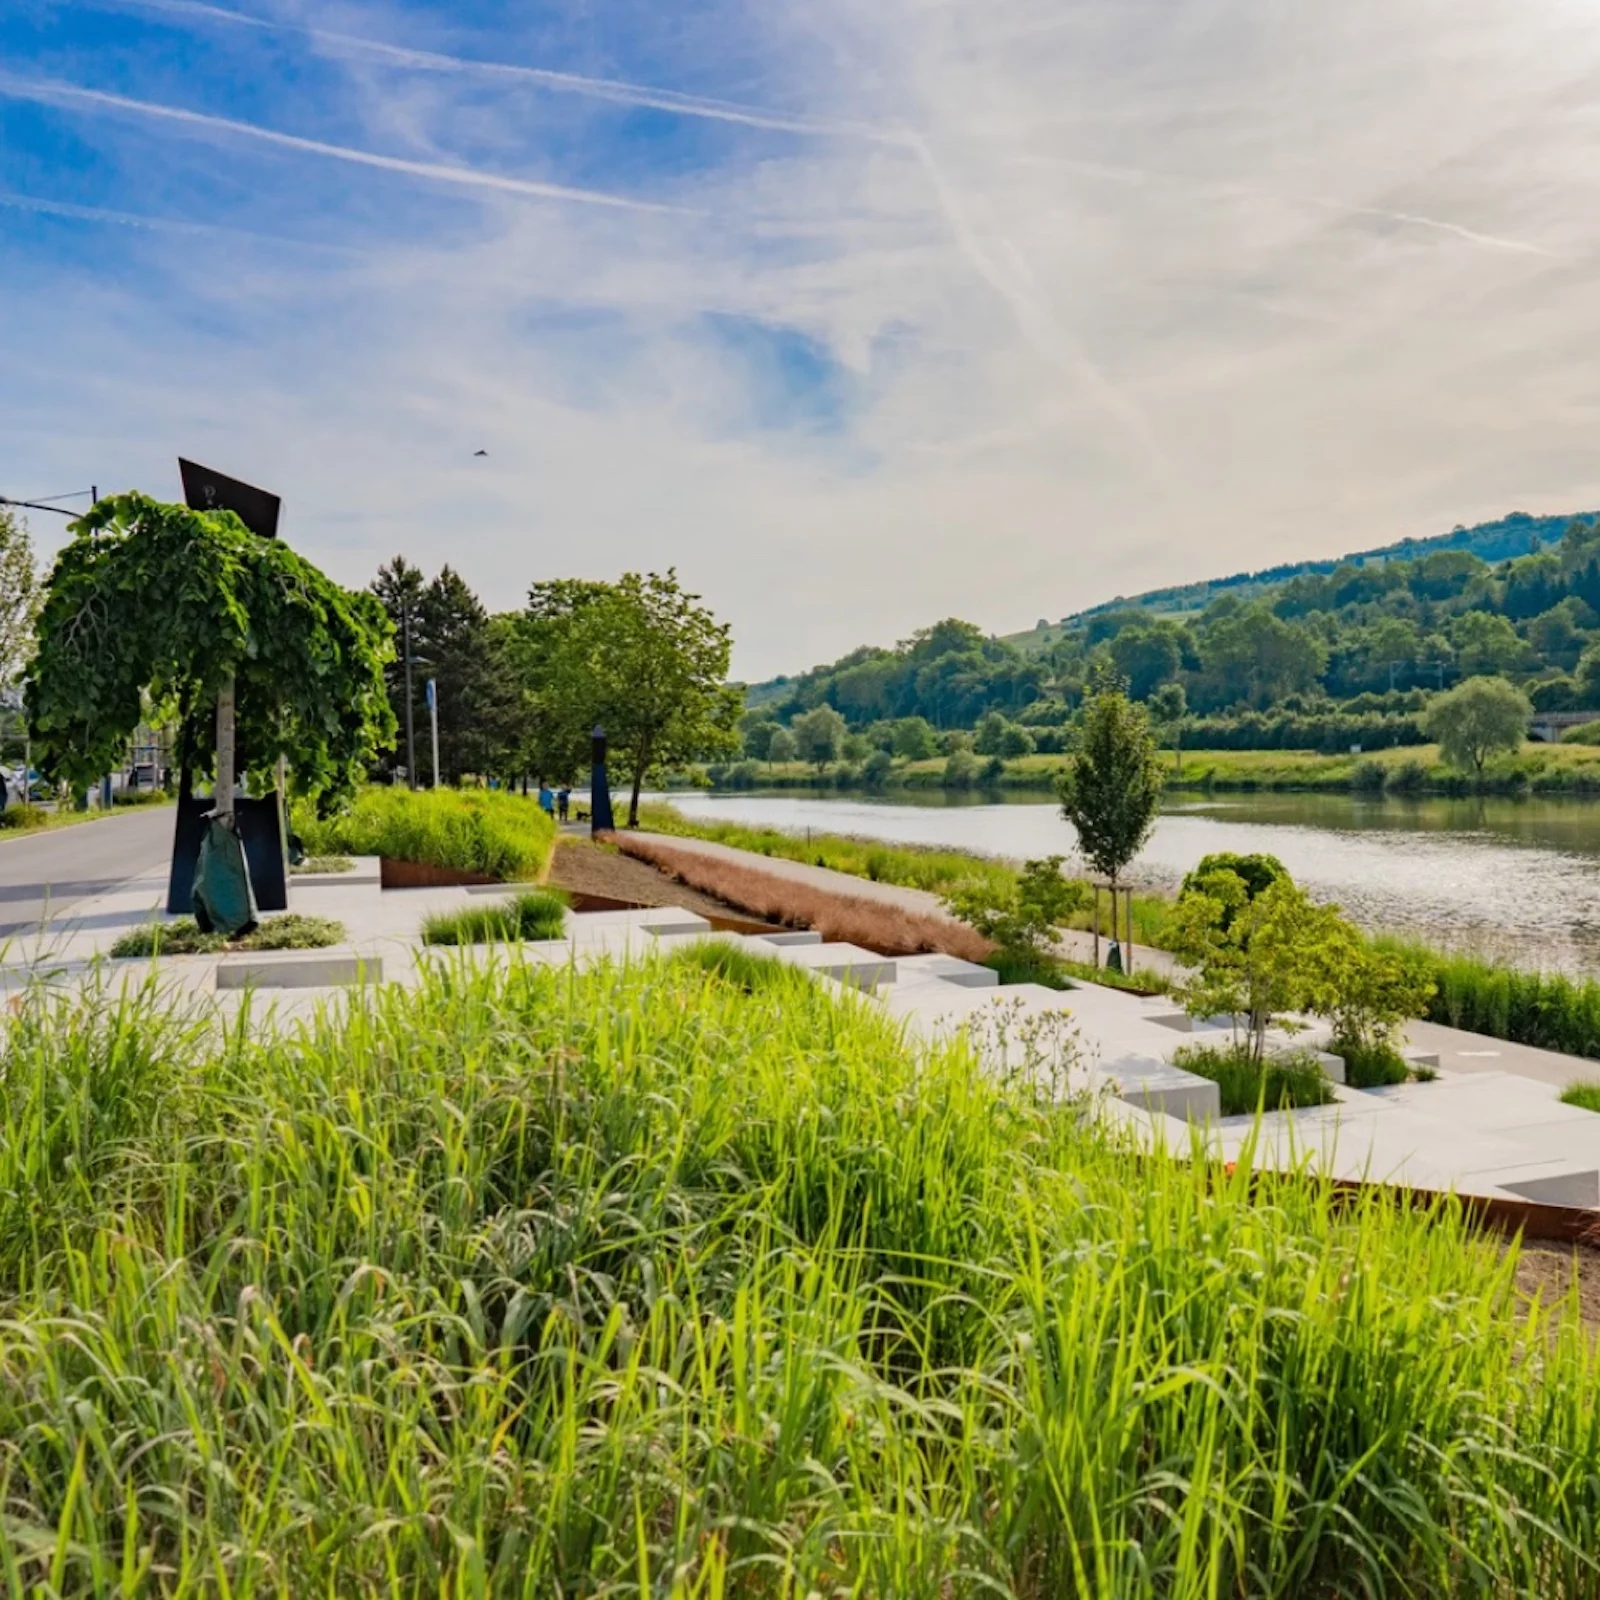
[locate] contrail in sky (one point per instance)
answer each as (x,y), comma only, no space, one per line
(470,177)
(611,89)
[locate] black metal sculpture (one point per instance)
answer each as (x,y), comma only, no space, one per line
(600,818)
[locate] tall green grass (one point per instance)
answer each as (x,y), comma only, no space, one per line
(534,914)
(543,1282)
(497,834)
(1548,1010)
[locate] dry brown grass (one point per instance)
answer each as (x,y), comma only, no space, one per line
(876,925)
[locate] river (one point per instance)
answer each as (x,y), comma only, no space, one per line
(1516,880)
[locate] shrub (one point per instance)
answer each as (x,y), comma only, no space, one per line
(539,914)
(1023,918)
(490,832)
(317,866)
(1245,1084)
(1369,776)
(25,819)
(1584,1095)
(1407,777)
(184,938)
(1584,733)
(1372,1066)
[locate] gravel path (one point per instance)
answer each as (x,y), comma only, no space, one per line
(583,867)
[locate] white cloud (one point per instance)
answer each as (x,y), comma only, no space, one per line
(1119,293)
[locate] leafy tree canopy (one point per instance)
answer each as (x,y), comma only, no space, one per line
(1112,786)
(1478,719)
(154,603)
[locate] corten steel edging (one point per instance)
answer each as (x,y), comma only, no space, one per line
(394,874)
(1531,1218)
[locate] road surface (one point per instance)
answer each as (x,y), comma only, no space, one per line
(48,873)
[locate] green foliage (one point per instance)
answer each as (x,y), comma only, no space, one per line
(1376,989)
(961,769)
(818,736)
(182,937)
(1257,872)
(1584,733)
(913,739)
(1372,1067)
(1546,1010)
(536,1282)
(911,866)
(536,914)
(641,658)
(1260,957)
(738,963)
(318,866)
(158,603)
(1246,1082)
(1111,788)
(491,832)
(1586,1096)
(781,746)
(1025,916)
(19,596)
(1478,719)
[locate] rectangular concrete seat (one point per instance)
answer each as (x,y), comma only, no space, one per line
(652,919)
(298,969)
(950,969)
(1159,1086)
(845,963)
(790,936)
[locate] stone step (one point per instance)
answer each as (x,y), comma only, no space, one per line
(298,969)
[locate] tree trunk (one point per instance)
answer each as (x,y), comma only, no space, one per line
(639,765)
(222,793)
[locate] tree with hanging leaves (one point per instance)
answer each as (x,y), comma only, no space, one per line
(160,605)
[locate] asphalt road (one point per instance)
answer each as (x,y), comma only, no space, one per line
(50,872)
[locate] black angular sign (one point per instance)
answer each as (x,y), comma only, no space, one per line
(205,490)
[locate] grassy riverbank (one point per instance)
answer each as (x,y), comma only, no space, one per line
(1549,1011)
(1416,770)
(699,1281)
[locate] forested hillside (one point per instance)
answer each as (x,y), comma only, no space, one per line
(1319,658)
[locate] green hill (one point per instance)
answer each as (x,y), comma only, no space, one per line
(1515,535)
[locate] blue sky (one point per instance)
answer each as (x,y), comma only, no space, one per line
(858,313)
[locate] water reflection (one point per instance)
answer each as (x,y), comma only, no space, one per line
(1518,880)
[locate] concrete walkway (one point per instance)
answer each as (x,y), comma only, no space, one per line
(1459,1052)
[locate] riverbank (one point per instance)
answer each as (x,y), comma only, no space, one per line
(1546,1011)
(1539,769)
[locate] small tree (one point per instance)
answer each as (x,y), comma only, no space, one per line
(1169,708)
(1112,786)
(756,730)
(1477,719)
(1015,742)
(990,733)
(818,735)
(1376,991)
(646,661)
(1023,918)
(1258,958)
(781,746)
(913,739)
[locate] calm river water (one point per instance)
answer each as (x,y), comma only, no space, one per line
(1516,880)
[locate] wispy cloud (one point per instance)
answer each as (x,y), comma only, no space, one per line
(69,94)
(1119,293)
(612,90)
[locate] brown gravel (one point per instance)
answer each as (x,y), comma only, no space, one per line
(584,867)
(1547,1269)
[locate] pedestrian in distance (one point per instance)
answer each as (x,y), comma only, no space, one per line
(563,801)
(547,801)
